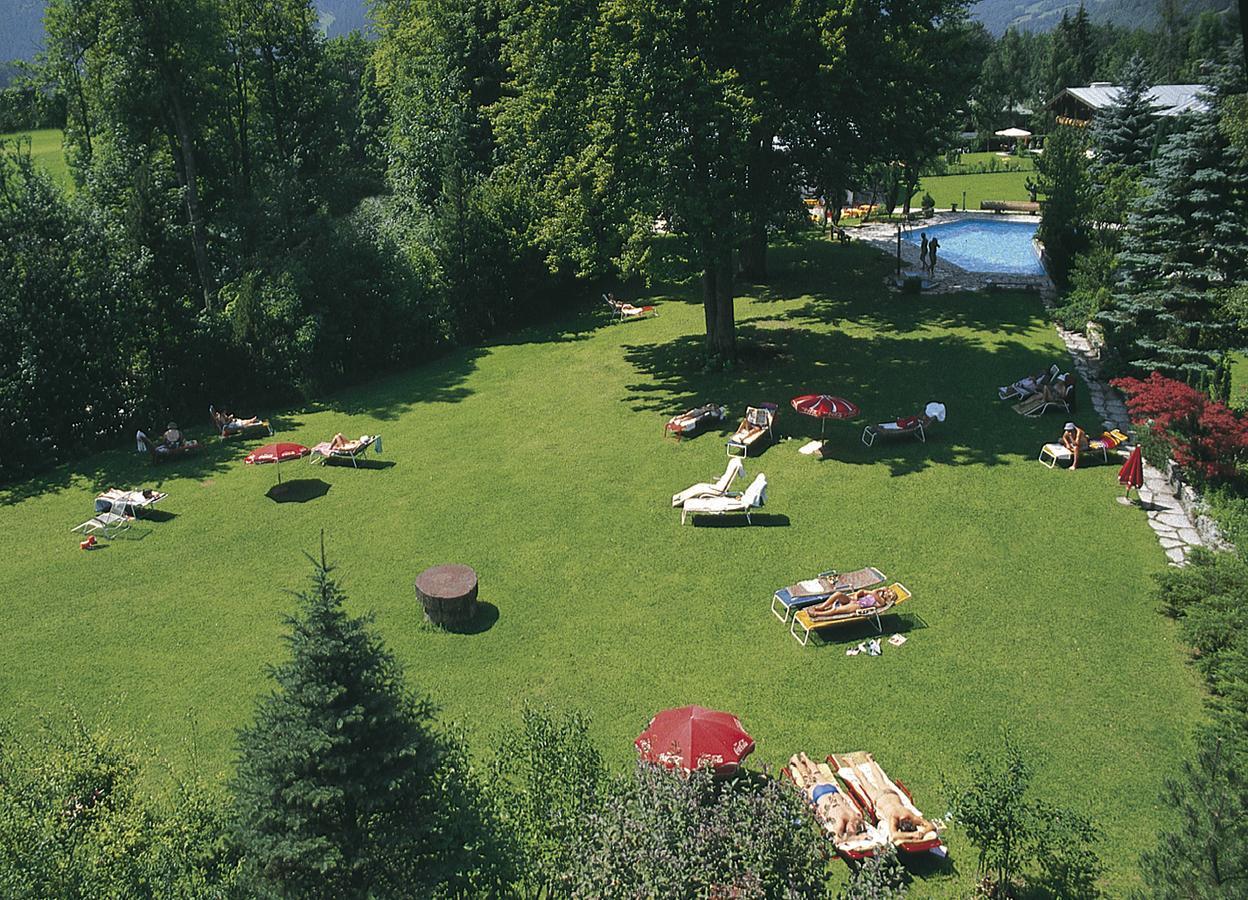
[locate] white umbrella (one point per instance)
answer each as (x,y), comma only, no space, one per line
(1013,133)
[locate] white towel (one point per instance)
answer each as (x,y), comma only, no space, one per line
(377,445)
(139,439)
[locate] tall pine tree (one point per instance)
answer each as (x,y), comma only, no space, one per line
(344,789)
(1184,246)
(1123,132)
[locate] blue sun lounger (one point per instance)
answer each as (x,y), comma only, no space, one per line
(807,593)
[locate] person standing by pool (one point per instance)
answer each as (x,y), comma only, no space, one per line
(923,251)
(931,255)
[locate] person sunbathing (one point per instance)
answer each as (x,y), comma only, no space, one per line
(227,421)
(831,806)
(840,603)
(172,436)
(892,810)
(341,442)
(1074,439)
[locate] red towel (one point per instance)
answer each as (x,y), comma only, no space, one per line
(908,422)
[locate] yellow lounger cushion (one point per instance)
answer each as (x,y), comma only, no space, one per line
(803,616)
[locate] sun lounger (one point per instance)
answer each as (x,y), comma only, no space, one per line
(734,470)
(235,428)
(757,423)
(911,425)
(162,452)
(860,846)
(1025,387)
(351,450)
(621,310)
(1058,395)
(803,620)
(109,524)
(1052,454)
(127,503)
(753,497)
(693,419)
(867,783)
(807,593)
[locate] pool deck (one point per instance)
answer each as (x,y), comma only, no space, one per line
(949,278)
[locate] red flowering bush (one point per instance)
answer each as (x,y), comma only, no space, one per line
(1204,437)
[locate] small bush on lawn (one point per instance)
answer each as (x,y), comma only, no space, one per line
(1206,438)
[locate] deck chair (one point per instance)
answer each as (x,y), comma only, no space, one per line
(108,524)
(161,452)
(752,498)
(1052,454)
(803,621)
(127,503)
(236,428)
(867,783)
(787,600)
(734,470)
(757,423)
(352,450)
(693,419)
(1058,395)
(1025,387)
(861,846)
(911,425)
(621,310)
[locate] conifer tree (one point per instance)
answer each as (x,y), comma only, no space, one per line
(344,789)
(1123,132)
(1186,244)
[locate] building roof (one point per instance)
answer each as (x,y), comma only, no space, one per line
(1170,99)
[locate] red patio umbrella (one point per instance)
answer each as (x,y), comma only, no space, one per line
(276,453)
(692,736)
(1131,474)
(824,407)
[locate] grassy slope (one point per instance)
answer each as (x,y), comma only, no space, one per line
(947,189)
(539,460)
(47,152)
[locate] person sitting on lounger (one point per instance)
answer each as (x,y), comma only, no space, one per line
(830,804)
(172,436)
(1074,439)
(840,603)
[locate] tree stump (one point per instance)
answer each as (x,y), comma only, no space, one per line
(448,595)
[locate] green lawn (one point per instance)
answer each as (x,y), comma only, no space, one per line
(46,151)
(540,461)
(947,189)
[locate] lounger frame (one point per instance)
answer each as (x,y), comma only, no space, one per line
(791,607)
(872,615)
(933,845)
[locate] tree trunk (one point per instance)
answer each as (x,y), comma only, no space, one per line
(717,301)
(190,190)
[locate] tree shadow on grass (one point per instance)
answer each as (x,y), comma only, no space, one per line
(738,520)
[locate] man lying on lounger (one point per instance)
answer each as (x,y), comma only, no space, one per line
(227,421)
(830,804)
(840,603)
(891,809)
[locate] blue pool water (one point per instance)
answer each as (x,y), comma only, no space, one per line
(985,245)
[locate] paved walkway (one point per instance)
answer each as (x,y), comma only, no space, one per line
(1174,528)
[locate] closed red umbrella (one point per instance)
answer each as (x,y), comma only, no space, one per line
(689,737)
(1131,474)
(824,407)
(276,453)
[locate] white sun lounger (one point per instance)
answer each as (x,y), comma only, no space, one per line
(732,471)
(753,497)
(127,503)
(108,524)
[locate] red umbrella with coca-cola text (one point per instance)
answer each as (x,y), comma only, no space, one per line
(824,407)
(276,453)
(1131,475)
(690,737)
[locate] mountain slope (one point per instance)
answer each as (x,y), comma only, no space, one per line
(1042,15)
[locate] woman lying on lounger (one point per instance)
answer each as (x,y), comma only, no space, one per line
(341,442)
(840,603)
(830,804)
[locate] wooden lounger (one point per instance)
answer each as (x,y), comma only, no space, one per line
(803,620)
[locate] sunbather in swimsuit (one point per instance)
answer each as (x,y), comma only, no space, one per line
(830,804)
(841,603)
(891,809)
(227,421)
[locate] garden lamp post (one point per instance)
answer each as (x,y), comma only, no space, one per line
(898,249)
(964,201)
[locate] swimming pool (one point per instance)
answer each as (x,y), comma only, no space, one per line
(985,245)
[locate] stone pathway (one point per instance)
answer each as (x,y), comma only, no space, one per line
(1167,516)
